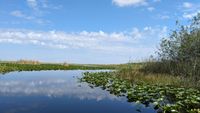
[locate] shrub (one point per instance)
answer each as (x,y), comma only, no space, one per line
(179,54)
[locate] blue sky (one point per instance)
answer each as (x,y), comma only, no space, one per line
(88,31)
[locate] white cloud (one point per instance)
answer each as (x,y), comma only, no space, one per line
(37,5)
(37,10)
(19,14)
(190,15)
(164,17)
(101,41)
(123,3)
(156,0)
(189,10)
(32,4)
(46,5)
(187,5)
(150,9)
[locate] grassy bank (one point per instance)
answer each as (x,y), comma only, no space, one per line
(138,74)
(16,66)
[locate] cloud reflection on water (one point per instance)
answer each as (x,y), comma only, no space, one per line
(52,86)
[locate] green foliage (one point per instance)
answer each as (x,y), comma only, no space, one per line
(165,99)
(183,44)
(179,54)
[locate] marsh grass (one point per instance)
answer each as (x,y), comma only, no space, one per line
(181,68)
(36,66)
(137,74)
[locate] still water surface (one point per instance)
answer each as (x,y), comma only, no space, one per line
(58,92)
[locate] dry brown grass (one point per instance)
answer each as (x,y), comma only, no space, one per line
(27,61)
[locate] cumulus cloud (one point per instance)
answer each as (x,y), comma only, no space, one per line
(126,41)
(123,3)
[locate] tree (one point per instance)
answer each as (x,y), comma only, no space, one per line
(181,50)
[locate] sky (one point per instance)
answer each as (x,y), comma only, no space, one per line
(88,31)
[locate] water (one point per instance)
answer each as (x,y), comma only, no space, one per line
(58,92)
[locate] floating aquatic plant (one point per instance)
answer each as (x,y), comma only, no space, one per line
(163,98)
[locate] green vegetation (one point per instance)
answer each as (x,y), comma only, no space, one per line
(179,54)
(137,74)
(165,98)
(169,82)
(19,66)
